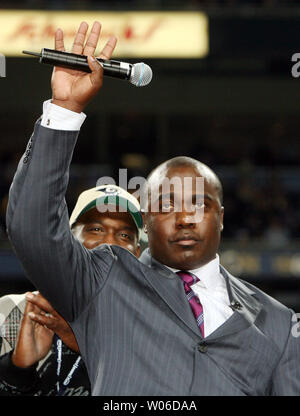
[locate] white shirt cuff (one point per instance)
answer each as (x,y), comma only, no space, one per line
(59,118)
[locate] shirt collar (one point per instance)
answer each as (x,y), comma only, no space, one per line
(209,274)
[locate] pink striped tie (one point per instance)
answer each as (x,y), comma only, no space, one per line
(188,280)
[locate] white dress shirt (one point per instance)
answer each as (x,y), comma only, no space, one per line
(211,288)
(212,292)
(59,118)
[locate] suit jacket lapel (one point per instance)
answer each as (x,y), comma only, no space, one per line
(246,307)
(170,288)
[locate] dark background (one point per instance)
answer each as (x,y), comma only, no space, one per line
(237,110)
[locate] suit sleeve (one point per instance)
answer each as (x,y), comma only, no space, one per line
(66,273)
(286,377)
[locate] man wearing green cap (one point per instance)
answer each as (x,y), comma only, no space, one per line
(28,364)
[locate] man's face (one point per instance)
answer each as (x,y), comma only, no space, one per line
(117,228)
(179,239)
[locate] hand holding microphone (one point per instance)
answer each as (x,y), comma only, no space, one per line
(78,76)
(73,89)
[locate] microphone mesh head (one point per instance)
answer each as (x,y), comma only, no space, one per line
(141,74)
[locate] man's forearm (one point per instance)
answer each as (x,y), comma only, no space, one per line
(37,216)
(53,117)
(38,221)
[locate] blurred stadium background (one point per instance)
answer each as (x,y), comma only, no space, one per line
(222,92)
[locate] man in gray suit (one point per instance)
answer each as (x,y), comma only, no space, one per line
(173,323)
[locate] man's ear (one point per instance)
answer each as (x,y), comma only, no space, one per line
(222,219)
(138,250)
(77,231)
(144,221)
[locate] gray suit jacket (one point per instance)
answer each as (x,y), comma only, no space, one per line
(133,323)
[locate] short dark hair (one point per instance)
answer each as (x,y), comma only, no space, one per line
(180,161)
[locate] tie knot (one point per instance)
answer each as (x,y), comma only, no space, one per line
(188,278)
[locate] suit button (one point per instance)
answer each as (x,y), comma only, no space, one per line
(235,305)
(202,347)
(25,160)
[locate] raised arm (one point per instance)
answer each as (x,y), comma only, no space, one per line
(37,218)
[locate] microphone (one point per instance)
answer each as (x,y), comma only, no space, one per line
(139,74)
